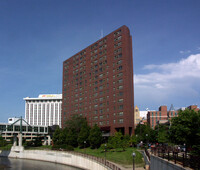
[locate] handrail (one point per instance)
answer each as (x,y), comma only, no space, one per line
(97,159)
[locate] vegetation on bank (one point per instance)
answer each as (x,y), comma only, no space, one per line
(182,130)
(117,156)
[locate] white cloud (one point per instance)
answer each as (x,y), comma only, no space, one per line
(169,81)
(185,52)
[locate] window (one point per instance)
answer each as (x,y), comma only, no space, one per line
(120,74)
(121,106)
(120,81)
(120,93)
(121,113)
(121,120)
(120,87)
(120,67)
(120,100)
(101,75)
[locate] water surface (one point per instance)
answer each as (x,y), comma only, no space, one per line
(24,164)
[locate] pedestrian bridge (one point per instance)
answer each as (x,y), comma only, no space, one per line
(28,132)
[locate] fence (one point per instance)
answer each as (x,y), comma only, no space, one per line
(97,159)
(171,154)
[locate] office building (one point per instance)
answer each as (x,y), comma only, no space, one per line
(98,83)
(162,116)
(44,110)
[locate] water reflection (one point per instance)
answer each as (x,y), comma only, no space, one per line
(23,164)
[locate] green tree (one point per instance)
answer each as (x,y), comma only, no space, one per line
(75,123)
(119,141)
(73,127)
(95,137)
(161,133)
(185,129)
(162,137)
(83,135)
(71,137)
(2,141)
(133,140)
(56,136)
(144,133)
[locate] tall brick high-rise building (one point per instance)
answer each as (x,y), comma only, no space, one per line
(98,83)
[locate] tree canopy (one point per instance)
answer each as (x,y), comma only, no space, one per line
(185,129)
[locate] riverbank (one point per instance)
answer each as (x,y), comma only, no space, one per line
(56,157)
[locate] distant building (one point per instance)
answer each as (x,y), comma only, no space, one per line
(44,110)
(193,107)
(12,128)
(137,117)
(98,84)
(162,116)
(140,116)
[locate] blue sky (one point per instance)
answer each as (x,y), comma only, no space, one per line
(37,36)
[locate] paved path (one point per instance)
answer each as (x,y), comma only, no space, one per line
(128,167)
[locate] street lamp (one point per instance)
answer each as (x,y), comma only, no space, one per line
(147,140)
(105,150)
(84,145)
(133,154)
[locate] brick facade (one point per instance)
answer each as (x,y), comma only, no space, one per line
(153,117)
(98,83)
(162,115)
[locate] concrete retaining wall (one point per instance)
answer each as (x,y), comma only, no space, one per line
(161,164)
(57,157)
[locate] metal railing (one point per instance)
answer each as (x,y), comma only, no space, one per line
(173,154)
(97,159)
(101,161)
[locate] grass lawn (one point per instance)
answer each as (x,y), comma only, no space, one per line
(120,157)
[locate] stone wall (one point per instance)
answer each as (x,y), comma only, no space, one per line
(57,157)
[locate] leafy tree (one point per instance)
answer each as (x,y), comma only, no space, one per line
(162,137)
(71,138)
(38,142)
(2,141)
(161,133)
(144,133)
(75,123)
(83,135)
(56,136)
(95,137)
(185,129)
(119,141)
(133,140)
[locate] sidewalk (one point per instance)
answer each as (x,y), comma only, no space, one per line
(128,167)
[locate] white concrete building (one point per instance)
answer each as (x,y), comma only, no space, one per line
(44,110)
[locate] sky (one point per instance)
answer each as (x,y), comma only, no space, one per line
(37,36)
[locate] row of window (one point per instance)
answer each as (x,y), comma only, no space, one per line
(98,43)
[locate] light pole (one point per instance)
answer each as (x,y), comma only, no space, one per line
(133,154)
(105,151)
(84,145)
(147,139)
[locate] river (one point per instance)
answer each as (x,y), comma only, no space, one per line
(25,164)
